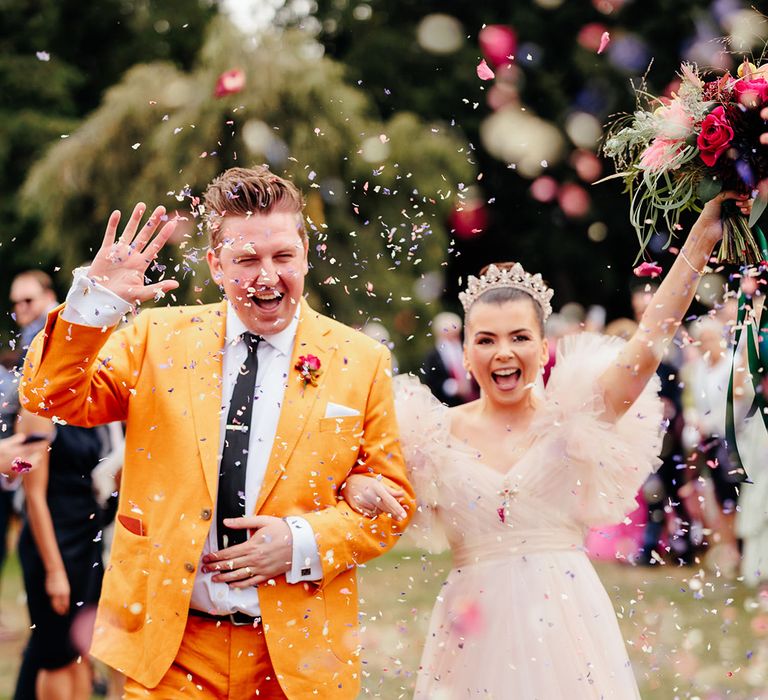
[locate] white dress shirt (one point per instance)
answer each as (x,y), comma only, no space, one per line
(91,304)
(710,390)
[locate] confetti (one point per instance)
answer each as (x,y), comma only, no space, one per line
(604,41)
(484,72)
(230,83)
(647,269)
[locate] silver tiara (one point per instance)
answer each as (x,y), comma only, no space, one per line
(513,278)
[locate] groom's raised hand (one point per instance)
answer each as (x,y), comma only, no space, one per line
(120,265)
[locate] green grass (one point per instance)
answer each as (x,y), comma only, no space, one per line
(690,633)
(13,614)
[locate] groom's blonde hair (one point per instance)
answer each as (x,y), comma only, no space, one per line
(248,192)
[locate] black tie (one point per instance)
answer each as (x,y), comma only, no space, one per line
(230,502)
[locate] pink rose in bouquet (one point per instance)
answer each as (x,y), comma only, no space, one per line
(751,93)
(715,137)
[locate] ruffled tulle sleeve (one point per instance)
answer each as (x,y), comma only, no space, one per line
(604,463)
(422,421)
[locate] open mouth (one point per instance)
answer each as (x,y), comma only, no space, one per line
(265,299)
(506,379)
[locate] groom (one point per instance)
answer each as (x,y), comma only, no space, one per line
(232,572)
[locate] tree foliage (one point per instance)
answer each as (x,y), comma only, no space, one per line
(56,59)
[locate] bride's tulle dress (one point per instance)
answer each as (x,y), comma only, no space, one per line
(523,615)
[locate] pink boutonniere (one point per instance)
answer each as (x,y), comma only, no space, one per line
(309,369)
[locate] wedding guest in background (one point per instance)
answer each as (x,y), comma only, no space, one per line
(752,515)
(668,517)
(443,369)
(8,482)
(60,554)
(59,547)
(707,381)
(32,297)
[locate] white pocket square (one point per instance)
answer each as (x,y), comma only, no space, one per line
(336,410)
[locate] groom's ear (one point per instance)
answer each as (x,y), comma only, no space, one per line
(214,265)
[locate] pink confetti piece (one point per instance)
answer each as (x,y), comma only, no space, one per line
(43,56)
(484,72)
(647,269)
(229,83)
(604,41)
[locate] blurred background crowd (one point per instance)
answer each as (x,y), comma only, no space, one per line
(417,173)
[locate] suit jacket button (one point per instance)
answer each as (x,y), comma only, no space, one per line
(189,567)
(205,514)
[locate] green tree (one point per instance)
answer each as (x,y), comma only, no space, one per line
(378,191)
(56,59)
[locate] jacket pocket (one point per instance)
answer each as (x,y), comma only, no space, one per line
(124,592)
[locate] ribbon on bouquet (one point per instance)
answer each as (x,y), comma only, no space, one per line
(757,365)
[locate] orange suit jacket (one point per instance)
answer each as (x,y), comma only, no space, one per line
(162,375)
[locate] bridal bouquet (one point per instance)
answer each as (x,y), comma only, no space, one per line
(676,154)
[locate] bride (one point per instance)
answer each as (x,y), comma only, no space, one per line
(514,479)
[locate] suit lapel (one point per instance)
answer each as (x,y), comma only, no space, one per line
(203,369)
(312,338)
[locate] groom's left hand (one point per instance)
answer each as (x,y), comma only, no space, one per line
(267,553)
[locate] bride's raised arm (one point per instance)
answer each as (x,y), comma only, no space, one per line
(637,362)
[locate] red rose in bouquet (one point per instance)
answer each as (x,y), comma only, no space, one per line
(715,137)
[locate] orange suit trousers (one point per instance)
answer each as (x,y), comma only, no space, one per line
(216,660)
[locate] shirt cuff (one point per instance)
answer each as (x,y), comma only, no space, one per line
(305,565)
(91,304)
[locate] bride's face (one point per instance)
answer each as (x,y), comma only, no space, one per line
(504,349)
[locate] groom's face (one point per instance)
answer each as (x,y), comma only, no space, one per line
(261,264)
